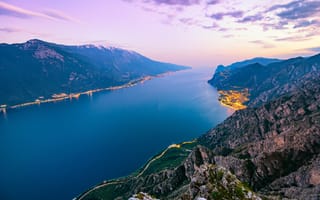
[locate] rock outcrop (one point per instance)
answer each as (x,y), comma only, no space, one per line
(196,178)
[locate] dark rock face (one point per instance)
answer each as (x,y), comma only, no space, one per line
(196,177)
(276,146)
(37,68)
(214,182)
(302,184)
(162,184)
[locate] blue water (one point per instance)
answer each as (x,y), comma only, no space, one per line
(58,150)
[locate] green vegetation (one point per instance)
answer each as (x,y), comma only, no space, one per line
(140,196)
(172,158)
(106,192)
(219,175)
(226,186)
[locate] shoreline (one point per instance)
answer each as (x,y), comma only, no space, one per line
(228,106)
(234,99)
(63,96)
(123,179)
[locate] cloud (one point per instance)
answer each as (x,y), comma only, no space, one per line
(10,30)
(216,27)
(189,21)
(194,22)
(286,6)
(296,14)
(15,11)
(177,2)
(279,25)
(59,15)
(168,14)
(170,2)
(221,15)
(223,29)
(296,38)
(213,26)
(306,23)
(263,44)
(251,18)
(229,36)
(298,9)
(235,16)
(313,49)
(212,2)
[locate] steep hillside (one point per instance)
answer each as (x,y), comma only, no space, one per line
(40,69)
(196,177)
(265,83)
(275,147)
(237,65)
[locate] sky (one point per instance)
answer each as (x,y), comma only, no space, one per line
(196,33)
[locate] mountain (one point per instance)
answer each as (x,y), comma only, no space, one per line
(196,176)
(40,69)
(269,150)
(264,83)
(237,65)
(275,148)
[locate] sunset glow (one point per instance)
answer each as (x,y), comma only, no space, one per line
(193,32)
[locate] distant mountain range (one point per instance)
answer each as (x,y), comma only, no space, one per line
(40,69)
(269,150)
(237,65)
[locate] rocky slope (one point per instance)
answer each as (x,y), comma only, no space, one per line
(195,178)
(274,147)
(267,151)
(238,65)
(40,69)
(269,82)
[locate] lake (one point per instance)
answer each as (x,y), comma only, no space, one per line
(59,150)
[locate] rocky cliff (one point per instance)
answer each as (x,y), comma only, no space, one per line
(197,177)
(274,147)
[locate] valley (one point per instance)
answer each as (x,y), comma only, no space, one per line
(160,100)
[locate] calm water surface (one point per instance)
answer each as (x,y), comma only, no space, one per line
(57,151)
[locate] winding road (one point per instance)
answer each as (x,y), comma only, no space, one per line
(82,196)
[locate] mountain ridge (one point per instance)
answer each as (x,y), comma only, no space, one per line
(236,65)
(265,83)
(38,68)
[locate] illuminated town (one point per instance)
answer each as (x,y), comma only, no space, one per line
(64,96)
(234,99)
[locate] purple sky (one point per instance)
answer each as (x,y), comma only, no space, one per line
(189,32)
